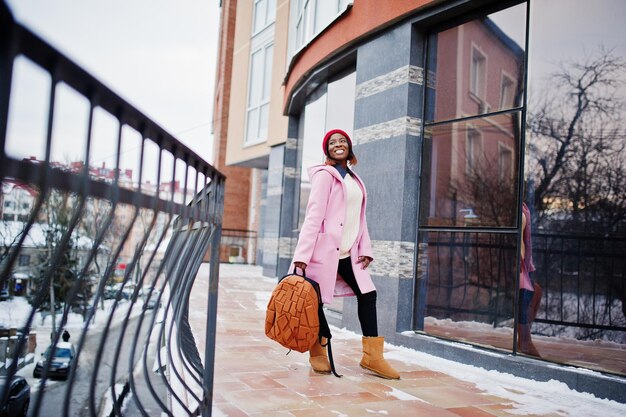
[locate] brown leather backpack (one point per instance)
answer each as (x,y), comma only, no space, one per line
(295,315)
(292,313)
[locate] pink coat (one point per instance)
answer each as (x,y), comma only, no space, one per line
(527,265)
(320,236)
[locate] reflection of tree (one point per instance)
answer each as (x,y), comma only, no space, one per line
(489,193)
(577,146)
(576,165)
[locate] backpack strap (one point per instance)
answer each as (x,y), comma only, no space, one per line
(325,332)
(324,328)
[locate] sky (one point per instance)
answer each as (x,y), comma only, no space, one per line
(158,55)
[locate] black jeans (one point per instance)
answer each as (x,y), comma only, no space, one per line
(366,303)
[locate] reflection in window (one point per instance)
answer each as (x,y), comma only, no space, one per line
(259,94)
(575,164)
(461,170)
(506,91)
(505,162)
(574,178)
(468,63)
(474,150)
(471,278)
(478,73)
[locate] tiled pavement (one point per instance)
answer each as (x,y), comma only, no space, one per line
(255,377)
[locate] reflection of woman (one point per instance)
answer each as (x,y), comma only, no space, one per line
(335,249)
(529,292)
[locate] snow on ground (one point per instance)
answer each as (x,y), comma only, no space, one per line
(15,312)
(529,397)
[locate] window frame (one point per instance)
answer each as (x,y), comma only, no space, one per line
(474,146)
(268,19)
(506,80)
(266,72)
(478,92)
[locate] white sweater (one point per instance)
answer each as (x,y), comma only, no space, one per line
(352,221)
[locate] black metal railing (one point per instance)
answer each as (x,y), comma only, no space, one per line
(99,263)
(583,278)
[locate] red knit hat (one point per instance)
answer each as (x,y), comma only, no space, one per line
(327,138)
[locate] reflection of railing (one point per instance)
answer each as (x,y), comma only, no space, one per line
(238,246)
(471,276)
(137,328)
(584,281)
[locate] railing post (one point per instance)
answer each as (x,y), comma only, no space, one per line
(7,53)
(209,355)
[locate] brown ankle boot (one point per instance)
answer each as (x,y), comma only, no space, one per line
(373,358)
(319,358)
(525,342)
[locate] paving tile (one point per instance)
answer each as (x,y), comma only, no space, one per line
(254,376)
(268,400)
(384,408)
(470,412)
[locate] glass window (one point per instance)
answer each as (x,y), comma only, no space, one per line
(310,143)
(461,184)
(574,168)
(507,88)
(313,16)
(473,154)
(471,279)
(468,62)
(24,260)
(469,184)
(478,73)
(264,14)
(574,163)
(331,106)
(259,94)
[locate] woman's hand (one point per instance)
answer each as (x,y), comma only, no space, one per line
(365,260)
(300,265)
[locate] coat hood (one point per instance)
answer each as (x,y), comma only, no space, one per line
(328,168)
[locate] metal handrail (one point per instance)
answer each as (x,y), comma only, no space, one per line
(183,230)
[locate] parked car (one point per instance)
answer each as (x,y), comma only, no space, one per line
(153,302)
(60,364)
(4,294)
(19,397)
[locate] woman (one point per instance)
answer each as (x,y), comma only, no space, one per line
(529,292)
(334,247)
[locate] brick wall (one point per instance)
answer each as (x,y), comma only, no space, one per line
(237,198)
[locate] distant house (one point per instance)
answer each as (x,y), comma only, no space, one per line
(33,250)
(16,201)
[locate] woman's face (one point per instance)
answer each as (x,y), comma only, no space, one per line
(338,147)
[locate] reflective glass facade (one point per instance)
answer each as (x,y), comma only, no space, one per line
(535,117)
(485,113)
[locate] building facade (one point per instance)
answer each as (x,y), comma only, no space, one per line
(459,111)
